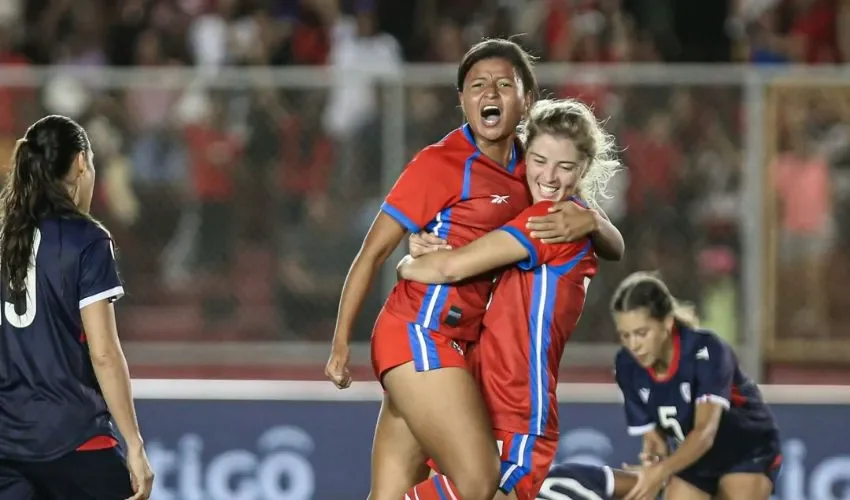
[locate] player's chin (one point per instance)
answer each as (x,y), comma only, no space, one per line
(495,133)
(645,361)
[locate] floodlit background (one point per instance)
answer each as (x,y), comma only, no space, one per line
(244,146)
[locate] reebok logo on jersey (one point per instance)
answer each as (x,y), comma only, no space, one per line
(499,199)
(703,353)
(644,395)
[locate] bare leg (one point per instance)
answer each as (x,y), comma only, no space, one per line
(397,459)
(446,413)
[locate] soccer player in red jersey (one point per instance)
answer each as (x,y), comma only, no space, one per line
(537,303)
(460,188)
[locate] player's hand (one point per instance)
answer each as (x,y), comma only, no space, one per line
(337,368)
(567,221)
(141,474)
(422,243)
(647,459)
(651,480)
(631,468)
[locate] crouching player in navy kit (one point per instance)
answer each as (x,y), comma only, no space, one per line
(63,375)
(684,385)
(586,482)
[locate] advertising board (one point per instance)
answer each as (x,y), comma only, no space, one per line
(313,444)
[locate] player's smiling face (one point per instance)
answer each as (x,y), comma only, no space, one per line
(493,99)
(553,167)
(644,336)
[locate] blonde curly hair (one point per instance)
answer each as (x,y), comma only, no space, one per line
(574,120)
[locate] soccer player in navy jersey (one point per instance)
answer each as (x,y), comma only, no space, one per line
(570,481)
(683,385)
(63,375)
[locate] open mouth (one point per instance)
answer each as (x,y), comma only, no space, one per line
(547,192)
(491,115)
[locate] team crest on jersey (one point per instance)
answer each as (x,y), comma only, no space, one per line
(685,389)
(644,395)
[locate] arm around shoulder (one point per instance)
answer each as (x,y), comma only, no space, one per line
(491,251)
(607,239)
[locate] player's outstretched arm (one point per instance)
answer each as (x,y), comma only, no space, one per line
(381,240)
(624,482)
(491,251)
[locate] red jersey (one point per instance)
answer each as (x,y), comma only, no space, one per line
(535,308)
(452,190)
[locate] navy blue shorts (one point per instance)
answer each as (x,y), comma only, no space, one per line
(80,475)
(765,460)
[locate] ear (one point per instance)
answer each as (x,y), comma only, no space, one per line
(460,101)
(81,164)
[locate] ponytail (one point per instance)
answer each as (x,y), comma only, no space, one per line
(33,191)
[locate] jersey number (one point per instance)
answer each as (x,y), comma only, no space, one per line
(667,419)
(24,320)
(566,487)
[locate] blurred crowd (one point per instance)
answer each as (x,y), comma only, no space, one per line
(280,32)
(237,212)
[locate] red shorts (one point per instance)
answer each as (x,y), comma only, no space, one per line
(526,461)
(396,342)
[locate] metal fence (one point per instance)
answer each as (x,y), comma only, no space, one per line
(238,198)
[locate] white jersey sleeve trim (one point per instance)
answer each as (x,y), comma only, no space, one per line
(113,293)
(711,398)
(641,430)
(609,481)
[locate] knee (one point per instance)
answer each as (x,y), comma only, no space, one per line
(478,482)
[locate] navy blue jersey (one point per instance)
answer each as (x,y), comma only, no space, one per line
(50,402)
(577,482)
(703,369)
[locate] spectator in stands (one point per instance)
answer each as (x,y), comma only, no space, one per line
(312,269)
(359,54)
(157,156)
(17,105)
(215,156)
(804,193)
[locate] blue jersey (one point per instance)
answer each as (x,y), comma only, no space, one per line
(703,369)
(577,482)
(50,401)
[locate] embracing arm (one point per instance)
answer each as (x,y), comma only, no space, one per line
(491,251)
(698,441)
(606,238)
(568,221)
(382,239)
